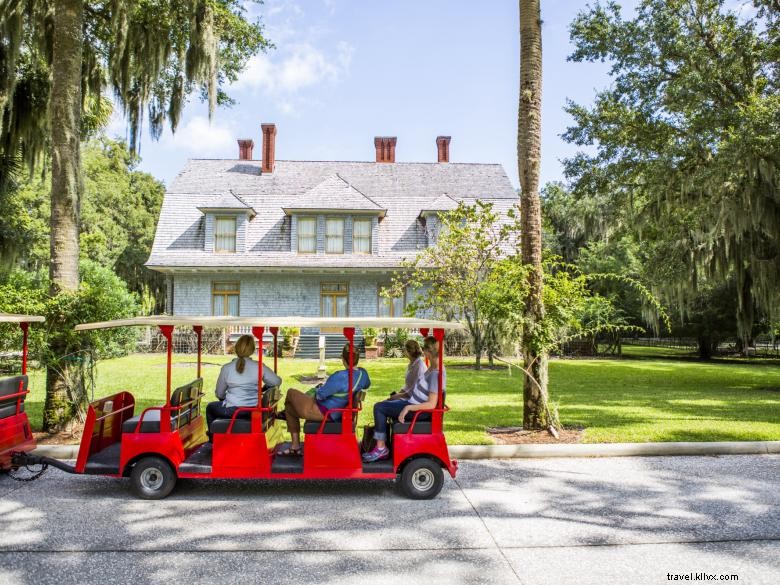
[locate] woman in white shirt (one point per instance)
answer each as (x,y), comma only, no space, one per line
(237,382)
(423,395)
(414,371)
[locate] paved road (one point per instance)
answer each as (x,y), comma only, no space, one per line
(554,521)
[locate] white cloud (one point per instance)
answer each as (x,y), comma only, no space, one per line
(300,67)
(199,137)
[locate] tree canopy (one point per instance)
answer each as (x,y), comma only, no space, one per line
(684,143)
(149,56)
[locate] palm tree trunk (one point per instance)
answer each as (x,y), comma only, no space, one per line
(529,141)
(65,104)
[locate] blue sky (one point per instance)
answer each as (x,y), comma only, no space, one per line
(345,71)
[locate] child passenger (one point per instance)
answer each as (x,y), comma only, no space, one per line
(422,396)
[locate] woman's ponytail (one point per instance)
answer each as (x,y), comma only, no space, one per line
(245,346)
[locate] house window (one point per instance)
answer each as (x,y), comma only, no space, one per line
(389,307)
(333,299)
(224,299)
(307,235)
(225,234)
(361,236)
(334,235)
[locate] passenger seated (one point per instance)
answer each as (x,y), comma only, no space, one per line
(414,371)
(423,396)
(313,405)
(237,383)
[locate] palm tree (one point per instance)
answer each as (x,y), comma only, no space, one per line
(58,60)
(529,142)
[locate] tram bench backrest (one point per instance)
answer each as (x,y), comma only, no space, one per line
(9,387)
(182,394)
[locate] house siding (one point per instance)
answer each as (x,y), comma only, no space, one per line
(276,294)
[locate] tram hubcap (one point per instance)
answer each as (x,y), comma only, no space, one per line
(152,479)
(423,480)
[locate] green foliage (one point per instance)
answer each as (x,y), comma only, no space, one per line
(448,276)
(395,339)
(101,296)
(119,213)
(684,144)
(149,55)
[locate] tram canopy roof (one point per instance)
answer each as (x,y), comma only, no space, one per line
(10,318)
(281,321)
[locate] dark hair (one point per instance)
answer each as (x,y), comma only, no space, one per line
(431,345)
(413,348)
(345,355)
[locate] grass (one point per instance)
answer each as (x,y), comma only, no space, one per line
(652,394)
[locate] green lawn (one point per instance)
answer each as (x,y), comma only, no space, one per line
(651,395)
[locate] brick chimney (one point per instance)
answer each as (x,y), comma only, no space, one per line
(385,148)
(443,148)
(245,146)
(269,147)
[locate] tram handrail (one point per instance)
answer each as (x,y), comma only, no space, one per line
(164,407)
(113,412)
(326,414)
(234,417)
(417,413)
(18,396)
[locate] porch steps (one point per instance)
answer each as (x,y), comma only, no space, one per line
(309,344)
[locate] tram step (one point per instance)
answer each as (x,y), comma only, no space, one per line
(105,461)
(199,461)
(381,466)
(287,464)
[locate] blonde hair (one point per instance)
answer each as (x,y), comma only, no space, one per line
(413,348)
(245,346)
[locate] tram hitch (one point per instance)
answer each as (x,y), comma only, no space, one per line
(22,459)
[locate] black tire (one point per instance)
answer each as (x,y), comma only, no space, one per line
(152,478)
(421,479)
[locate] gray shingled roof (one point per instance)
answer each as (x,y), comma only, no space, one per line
(403,189)
(335,192)
(228,200)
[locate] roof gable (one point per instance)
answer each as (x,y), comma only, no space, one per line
(335,193)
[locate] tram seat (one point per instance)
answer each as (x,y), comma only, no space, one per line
(420,427)
(8,387)
(311,427)
(151,422)
(243,424)
(423,426)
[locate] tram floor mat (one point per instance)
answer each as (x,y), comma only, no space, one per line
(104,462)
(287,464)
(199,461)
(381,466)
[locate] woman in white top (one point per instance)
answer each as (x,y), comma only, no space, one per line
(237,382)
(414,371)
(423,395)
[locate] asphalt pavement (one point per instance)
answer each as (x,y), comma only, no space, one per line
(538,521)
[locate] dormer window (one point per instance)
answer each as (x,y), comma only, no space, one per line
(334,235)
(307,235)
(224,234)
(361,235)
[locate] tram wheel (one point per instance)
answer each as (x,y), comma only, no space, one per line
(152,478)
(421,479)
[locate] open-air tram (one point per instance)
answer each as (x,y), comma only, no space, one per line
(163,443)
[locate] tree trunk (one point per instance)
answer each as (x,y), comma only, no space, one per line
(529,142)
(65,104)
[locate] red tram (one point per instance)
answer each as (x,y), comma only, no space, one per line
(163,443)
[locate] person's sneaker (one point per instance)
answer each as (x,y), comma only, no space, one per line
(376,454)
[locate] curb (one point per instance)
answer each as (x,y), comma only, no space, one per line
(546,450)
(614,449)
